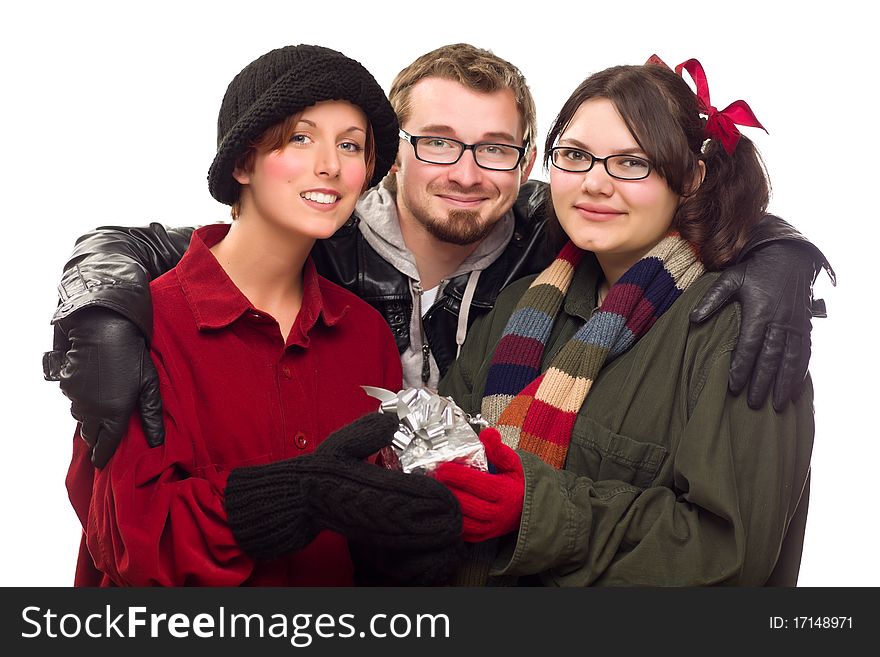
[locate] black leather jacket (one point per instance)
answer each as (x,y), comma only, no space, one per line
(112,267)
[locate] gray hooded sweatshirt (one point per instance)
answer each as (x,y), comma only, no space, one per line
(380,226)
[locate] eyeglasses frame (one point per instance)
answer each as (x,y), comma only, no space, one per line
(603,160)
(415,139)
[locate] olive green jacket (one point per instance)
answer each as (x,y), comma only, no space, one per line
(670,480)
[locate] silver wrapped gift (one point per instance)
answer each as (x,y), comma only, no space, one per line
(432,430)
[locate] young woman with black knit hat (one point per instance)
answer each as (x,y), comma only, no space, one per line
(260,359)
(634,465)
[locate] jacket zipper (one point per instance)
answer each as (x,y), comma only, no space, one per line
(426,363)
(426,349)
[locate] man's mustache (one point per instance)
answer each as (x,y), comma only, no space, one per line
(476,190)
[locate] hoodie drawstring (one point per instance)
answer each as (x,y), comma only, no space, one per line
(465,309)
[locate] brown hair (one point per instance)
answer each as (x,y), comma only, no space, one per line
(277,136)
(661,112)
(476,69)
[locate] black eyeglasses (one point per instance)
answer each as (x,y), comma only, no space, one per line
(622,167)
(443,150)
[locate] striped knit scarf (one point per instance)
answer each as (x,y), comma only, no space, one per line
(536,412)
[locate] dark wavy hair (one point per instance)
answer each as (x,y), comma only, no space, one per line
(661,112)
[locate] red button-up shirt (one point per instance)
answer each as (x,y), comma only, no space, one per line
(234,394)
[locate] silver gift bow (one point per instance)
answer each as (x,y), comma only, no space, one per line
(432,429)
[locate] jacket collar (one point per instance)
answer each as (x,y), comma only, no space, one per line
(216,302)
(581,298)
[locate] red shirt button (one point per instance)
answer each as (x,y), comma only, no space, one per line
(300,440)
(285,370)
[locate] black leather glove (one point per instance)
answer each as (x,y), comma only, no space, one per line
(106,372)
(280,507)
(774,287)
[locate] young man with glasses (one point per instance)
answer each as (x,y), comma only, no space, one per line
(430,248)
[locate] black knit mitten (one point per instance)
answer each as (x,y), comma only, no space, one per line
(381,566)
(280,507)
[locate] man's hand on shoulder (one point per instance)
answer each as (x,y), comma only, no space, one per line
(105,371)
(774,288)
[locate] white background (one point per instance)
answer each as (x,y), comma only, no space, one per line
(108,115)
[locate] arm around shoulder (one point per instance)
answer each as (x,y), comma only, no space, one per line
(773,281)
(112,267)
(775,229)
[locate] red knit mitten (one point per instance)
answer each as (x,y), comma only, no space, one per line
(491,504)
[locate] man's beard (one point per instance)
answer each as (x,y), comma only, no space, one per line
(460,227)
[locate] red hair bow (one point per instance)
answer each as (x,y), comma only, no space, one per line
(720,125)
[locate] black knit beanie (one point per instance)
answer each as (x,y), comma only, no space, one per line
(283,82)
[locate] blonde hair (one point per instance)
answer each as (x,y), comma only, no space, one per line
(476,69)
